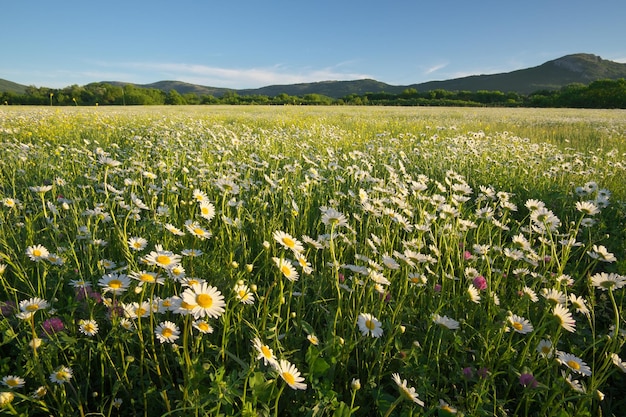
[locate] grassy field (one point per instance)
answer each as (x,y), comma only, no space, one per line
(312,261)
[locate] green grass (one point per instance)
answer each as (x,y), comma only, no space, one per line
(405,216)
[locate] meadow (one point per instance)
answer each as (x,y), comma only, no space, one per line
(312,261)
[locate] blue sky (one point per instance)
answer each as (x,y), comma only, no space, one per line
(249,44)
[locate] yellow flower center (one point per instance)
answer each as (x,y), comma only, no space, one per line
(573,364)
(62,375)
(186,306)
(205,210)
(370,324)
(242,294)
(198,231)
(140,311)
(163,260)
(285,270)
(290,243)
(167,332)
(266,351)
(115,284)
(517,326)
(203,326)
(32,307)
(36,252)
(12,382)
(204,300)
(146,277)
(289,378)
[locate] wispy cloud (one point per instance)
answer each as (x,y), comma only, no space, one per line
(435,68)
(144,72)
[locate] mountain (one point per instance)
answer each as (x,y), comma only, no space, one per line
(11,87)
(551,75)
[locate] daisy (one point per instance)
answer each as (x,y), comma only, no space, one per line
(587,207)
(174,230)
(574,384)
(55,259)
(37,253)
(531,294)
(565,318)
(290,374)
(553,295)
(545,348)
(617,361)
(88,327)
(313,339)
(62,375)
(579,304)
(286,267)
(176,272)
(303,262)
(207,210)
(574,363)
(369,325)
(473,293)
(198,231)
(520,324)
(33,304)
(408,392)
(204,300)
(288,241)
(334,218)
(167,332)
(115,283)
(601,254)
(11,202)
(137,243)
(202,326)
(134,310)
(192,253)
(12,381)
(145,277)
(610,281)
(199,196)
(162,258)
(264,352)
(244,294)
(445,321)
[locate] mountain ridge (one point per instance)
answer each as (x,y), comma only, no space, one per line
(580,68)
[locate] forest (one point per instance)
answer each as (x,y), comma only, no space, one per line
(607,94)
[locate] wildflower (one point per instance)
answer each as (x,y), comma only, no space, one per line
(52,325)
(167,332)
(313,339)
(446,409)
(39,393)
(115,283)
(520,324)
(196,230)
(12,381)
(553,295)
(332,217)
(445,321)
(617,361)
(33,304)
(565,318)
(162,258)
(528,380)
(202,326)
(545,348)
(145,277)
(480,283)
(473,294)
(37,253)
(406,391)
(137,243)
(587,207)
(42,189)
(303,262)
(6,397)
(88,327)
(107,264)
(531,294)
(207,210)
(290,374)
(35,343)
(288,241)
(355,385)
(286,267)
(369,325)
(610,281)
(243,294)
(574,383)
(533,205)
(174,230)
(264,352)
(574,363)
(11,202)
(204,300)
(579,304)
(135,309)
(200,196)
(601,254)
(62,375)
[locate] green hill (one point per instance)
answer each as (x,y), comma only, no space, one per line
(11,87)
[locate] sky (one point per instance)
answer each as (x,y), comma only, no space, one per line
(253,43)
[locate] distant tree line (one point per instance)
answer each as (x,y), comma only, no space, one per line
(598,94)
